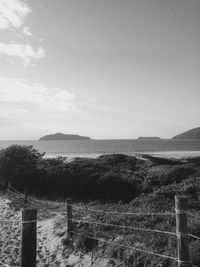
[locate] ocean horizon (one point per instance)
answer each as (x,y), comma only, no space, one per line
(168,148)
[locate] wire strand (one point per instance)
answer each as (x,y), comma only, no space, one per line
(23,197)
(123,227)
(194,236)
(123,213)
(129,247)
(107,224)
(6,265)
(102,211)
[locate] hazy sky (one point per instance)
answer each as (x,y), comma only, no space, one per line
(102,68)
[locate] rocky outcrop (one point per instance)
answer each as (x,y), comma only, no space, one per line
(61,136)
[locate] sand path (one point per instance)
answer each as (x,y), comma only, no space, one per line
(49,246)
(10,234)
(50,250)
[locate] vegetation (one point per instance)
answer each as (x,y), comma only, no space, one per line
(113,182)
(19,165)
(108,178)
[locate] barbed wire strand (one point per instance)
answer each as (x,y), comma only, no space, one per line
(109,212)
(123,226)
(194,236)
(16,191)
(129,247)
(6,265)
(123,213)
(21,194)
(106,212)
(107,224)
(33,202)
(23,197)
(115,225)
(137,249)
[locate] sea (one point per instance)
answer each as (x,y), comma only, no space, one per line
(168,148)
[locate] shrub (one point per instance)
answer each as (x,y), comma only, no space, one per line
(20,165)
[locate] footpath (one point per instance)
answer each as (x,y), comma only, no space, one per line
(50,249)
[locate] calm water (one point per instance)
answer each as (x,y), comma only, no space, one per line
(94,148)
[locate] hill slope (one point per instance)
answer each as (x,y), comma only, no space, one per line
(191,134)
(61,136)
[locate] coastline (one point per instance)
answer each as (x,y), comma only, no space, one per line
(96,148)
(160,154)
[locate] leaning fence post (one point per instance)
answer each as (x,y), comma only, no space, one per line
(69,217)
(29,238)
(181,203)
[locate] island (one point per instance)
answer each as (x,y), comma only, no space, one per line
(191,134)
(148,138)
(61,136)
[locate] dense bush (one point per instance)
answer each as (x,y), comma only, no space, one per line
(109,177)
(19,165)
(166,174)
(104,178)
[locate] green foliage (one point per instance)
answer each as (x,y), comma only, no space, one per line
(19,165)
(166,174)
(107,178)
(116,182)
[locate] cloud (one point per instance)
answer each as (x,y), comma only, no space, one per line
(26,31)
(13,13)
(25,52)
(21,92)
(21,110)
(3,23)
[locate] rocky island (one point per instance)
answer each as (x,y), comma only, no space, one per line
(191,134)
(61,136)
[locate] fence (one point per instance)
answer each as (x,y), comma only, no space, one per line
(29,229)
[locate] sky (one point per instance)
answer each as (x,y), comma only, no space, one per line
(108,69)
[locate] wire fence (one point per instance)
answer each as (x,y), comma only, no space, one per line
(125,213)
(41,206)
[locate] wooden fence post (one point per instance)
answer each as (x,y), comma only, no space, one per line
(69,217)
(181,203)
(29,238)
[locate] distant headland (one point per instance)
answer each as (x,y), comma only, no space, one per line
(191,134)
(148,138)
(61,136)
